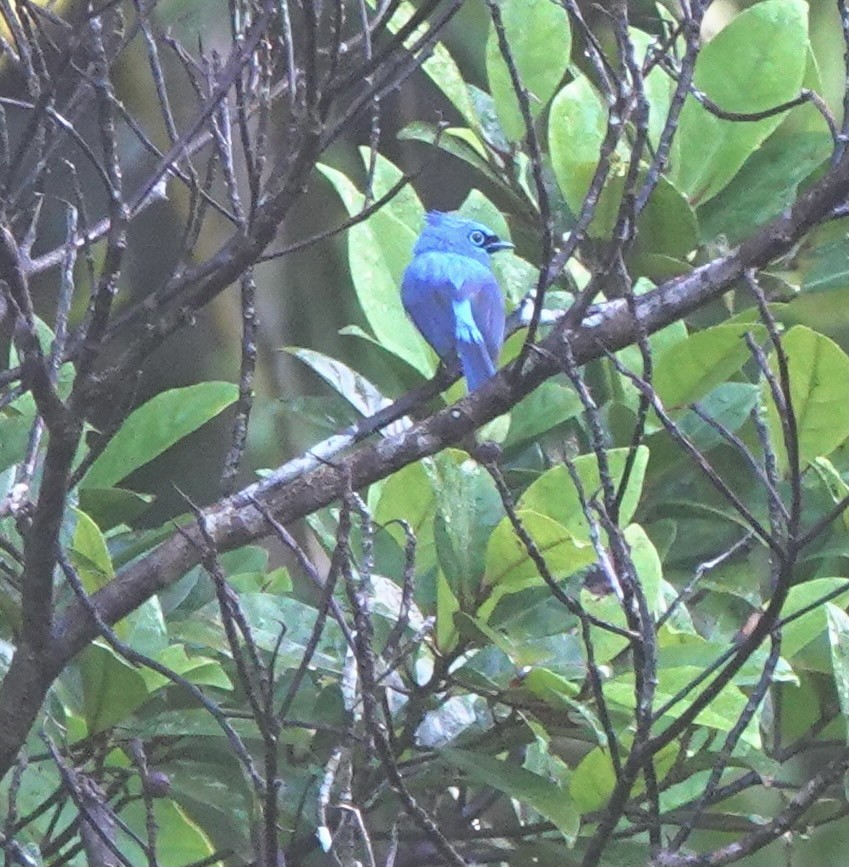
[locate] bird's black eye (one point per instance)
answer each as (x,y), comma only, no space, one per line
(477,238)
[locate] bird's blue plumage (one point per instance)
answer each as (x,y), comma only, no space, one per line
(452,296)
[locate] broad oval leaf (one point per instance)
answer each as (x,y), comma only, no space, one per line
(156,426)
(755,63)
(695,366)
(545,796)
(819,371)
(376,276)
(554,494)
(576,125)
(540,44)
(510,567)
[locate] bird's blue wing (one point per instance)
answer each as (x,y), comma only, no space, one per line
(471,347)
(456,303)
(488,311)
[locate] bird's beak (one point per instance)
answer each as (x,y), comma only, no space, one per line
(496,245)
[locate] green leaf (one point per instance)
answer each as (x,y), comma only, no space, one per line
(400,217)
(509,567)
(180,841)
(200,670)
(729,404)
(838,640)
(540,44)
(537,792)
(155,427)
(447,607)
(547,406)
(15,425)
(756,62)
(764,186)
(553,493)
(363,395)
(576,126)
(112,688)
(457,142)
(593,782)
(819,371)
(576,129)
(90,555)
(109,507)
(270,617)
(467,508)
(667,226)
(561,694)
(695,366)
(144,629)
(825,266)
(809,626)
(408,495)
(375,253)
(721,714)
(647,564)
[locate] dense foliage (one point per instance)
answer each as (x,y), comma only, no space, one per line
(610,627)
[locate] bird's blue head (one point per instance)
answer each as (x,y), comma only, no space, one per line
(449,233)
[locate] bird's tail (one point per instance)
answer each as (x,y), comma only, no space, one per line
(476,363)
(475,359)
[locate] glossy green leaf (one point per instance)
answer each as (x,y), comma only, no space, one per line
(376,278)
(647,563)
(576,126)
(109,507)
(825,266)
(15,425)
(729,404)
(554,494)
(695,366)
(576,129)
(457,142)
(667,226)
(547,406)
(467,508)
(764,186)
(439,65)
(809,626)
(270,617)
(838,640)
(593,782)
(155,427)
(408,495)
(754,63)
(819,371)
(447,607)
(401,215)
(112,688)
(180,840)
(721,714)
(145,630)
(540,43)
(509,566)
(200,670)
(90,555)
(561,694)
(540,793)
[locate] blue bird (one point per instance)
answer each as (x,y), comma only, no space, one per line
(452,296)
